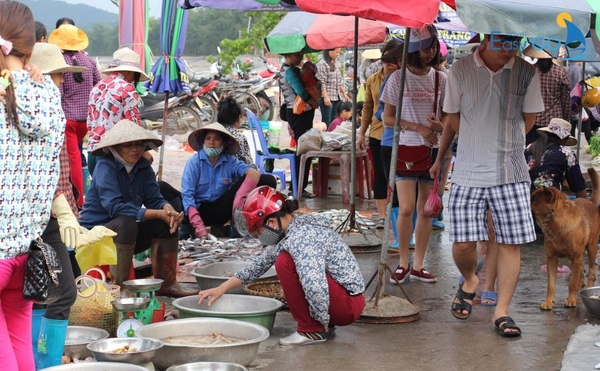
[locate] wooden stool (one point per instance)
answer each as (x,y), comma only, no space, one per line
(363,169)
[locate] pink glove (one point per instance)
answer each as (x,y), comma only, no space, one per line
(240,196)
(196,222)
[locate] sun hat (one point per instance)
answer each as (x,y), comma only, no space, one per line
(536,52)
(196,138)
(421,38)
(49,59)
(561,129)
(69,37)
(126,59)
(126,131)
(371,54)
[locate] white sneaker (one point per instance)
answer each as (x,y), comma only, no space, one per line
(298,339)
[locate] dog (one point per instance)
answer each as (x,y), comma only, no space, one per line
(570,227)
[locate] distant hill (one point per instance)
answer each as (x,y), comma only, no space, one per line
(85,16)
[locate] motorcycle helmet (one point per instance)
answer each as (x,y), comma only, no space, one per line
(591,98)
(260,203)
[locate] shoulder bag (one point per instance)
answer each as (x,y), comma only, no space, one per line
(416,160)
(41,273)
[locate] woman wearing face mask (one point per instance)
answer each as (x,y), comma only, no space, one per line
(319,274)
(209,193)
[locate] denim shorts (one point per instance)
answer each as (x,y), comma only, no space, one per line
(421,178)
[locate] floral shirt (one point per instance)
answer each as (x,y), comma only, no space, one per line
(557,164)
(316,250)
(29,162)
(111,100)
(244,152)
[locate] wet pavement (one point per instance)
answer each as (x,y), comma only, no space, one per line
(437,341)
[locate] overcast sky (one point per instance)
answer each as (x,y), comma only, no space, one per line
(155,5)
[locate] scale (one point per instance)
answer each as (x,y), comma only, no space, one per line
(139,310)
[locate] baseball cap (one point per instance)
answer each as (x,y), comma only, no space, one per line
(421,39)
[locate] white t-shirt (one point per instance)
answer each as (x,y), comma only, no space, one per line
(418,100)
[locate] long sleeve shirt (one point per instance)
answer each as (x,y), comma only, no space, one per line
(317,250)
(75,95)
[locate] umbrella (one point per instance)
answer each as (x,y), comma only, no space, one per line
(133,29)
(454,33)
(245,5)
(308,32)
(168,74)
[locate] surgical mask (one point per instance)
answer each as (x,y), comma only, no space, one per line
(270,236)
(212,152)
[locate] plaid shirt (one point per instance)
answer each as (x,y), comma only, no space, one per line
(75,95)
(331,80)
(555,92)
(65,186)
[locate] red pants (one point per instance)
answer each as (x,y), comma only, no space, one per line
(75,132)
(343,308)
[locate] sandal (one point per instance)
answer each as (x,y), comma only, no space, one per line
(506,323)
(461,279)
(492,298)
(457,308)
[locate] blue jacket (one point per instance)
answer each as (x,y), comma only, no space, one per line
(113,193)
(203,182)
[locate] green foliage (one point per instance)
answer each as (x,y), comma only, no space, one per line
(595,145)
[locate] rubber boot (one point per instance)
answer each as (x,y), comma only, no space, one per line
(411,243)
(50,343)
(393,248)
(36,323)
(120,272)
(164,266)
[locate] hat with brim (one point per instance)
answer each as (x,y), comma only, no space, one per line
(371,54)
(561,129)
(535,52)
(126,131)
(49,59)
(196,138)
(126,59)
(69,37)
(421,38)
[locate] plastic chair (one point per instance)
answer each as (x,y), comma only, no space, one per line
(254,124)
(258,160)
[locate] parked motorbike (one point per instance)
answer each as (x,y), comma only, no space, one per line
(180,118)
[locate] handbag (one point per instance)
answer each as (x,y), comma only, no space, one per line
(41,274)
(416,160)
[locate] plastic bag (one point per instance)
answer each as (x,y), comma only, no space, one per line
(103,252)
(433,207)
(309,141)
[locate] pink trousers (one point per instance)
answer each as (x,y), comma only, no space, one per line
(75,132)
(343,308)
(15,317)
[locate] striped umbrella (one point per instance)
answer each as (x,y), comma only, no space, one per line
(245,5)
(133,29)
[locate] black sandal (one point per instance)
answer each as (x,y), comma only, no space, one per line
(457,308)
(507,323)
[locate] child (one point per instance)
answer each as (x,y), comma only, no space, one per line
(344,114)
(308,74)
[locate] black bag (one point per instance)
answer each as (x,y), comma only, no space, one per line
(41,274)
(283,112)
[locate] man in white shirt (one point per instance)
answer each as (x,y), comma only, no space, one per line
(492,98)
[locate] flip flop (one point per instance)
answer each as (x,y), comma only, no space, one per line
(489,295)
(461,279)
(505,323)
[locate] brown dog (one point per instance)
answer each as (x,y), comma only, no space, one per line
(570,227)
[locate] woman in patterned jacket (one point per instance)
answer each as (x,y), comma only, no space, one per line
(319,274)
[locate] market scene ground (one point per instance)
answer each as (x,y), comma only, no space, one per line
(439,341)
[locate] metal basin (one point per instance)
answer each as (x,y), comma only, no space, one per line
(247,308)
(208,366)
(242,352)
(96,366)
(80,336)
(214,274)
(143,284)
(590,296)
(130,304)
(104,350)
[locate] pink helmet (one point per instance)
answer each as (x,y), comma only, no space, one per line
(443,48)
(260,203)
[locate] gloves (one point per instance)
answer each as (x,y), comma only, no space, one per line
(240,196)
(69,226)
(87,237)
(196,222)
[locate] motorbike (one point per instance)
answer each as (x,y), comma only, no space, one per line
(180,117)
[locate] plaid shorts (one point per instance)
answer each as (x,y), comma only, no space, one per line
(509,204)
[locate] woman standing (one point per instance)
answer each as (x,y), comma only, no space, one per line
(330,75)
(31,133)
(75,92)
(421,126)
(319,274)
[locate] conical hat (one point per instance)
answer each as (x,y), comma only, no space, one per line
(126,131)
(196,138)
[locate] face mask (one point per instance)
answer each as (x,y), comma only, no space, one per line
(270,236)
(212,152)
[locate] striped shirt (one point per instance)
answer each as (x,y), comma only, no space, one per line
(331,80)
(418,100)
(491,140)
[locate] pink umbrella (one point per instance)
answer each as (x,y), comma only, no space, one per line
(133,29)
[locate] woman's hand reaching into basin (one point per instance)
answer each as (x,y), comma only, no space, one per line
(217,292)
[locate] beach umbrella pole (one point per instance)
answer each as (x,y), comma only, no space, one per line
(163,136)
(354,121)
